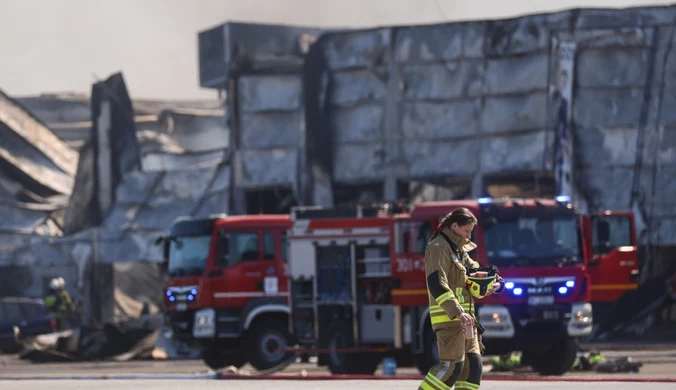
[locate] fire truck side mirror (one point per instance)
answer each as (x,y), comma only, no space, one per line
(223,245)
(166,250)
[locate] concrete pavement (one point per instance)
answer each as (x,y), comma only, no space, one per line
(303,385)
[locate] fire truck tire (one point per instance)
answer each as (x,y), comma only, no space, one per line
(267,341)
(558,360)
(216,359)
(339,336)
(430,354)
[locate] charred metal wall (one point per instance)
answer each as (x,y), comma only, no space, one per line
(261,69)
(581,96)
(270,119)
(438,101)
(111,151)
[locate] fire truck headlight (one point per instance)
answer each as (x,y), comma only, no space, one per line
(169,293)
(193,291)
(570,283)
(563,290)
(172,298)
(496,321)
(205,324)
(509,285)
(518,291)
(581,320)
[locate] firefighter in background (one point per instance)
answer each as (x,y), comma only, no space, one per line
(59,303)
(451,304)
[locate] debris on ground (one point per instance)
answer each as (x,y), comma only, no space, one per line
(132,340)
(591,361)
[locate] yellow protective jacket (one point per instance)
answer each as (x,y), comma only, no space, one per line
(59,302)
(446,272)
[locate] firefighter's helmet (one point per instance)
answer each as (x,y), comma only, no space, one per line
(57,284)
(480,284)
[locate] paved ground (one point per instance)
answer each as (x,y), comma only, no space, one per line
(288,384)
(657,363)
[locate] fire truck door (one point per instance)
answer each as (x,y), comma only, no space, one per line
(263,271)
(614,262)
(274,262)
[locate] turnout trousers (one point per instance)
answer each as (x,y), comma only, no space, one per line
(459,361)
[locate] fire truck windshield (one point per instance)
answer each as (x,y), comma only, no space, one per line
(188,255)
(533,242)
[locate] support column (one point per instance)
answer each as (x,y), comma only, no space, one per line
(391,159)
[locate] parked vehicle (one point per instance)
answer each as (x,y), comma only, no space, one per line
(226,288)
(21,318)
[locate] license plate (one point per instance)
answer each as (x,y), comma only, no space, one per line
(550,315)
(181,307)
(543,300)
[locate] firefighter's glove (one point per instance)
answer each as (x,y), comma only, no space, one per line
(500,282)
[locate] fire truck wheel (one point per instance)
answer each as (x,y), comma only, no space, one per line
(430,354)
(340,336)
(216,359)
(268,341)
(558,360)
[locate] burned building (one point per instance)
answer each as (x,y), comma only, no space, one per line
(574,103)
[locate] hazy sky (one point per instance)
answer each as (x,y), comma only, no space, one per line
(58,45)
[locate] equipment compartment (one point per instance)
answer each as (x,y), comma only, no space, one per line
(377,323)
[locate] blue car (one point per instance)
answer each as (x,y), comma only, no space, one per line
(29,315)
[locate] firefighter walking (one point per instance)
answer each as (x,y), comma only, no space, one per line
(452,281)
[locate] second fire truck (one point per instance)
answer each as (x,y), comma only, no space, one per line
(358,289)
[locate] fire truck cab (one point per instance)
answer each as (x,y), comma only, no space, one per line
(226,288)
(558,264)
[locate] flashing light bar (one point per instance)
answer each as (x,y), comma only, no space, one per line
(563,198)
(484,200)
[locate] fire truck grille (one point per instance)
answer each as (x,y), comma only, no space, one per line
(181,323)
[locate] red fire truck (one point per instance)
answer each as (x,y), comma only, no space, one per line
(358,288)
(226,288)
